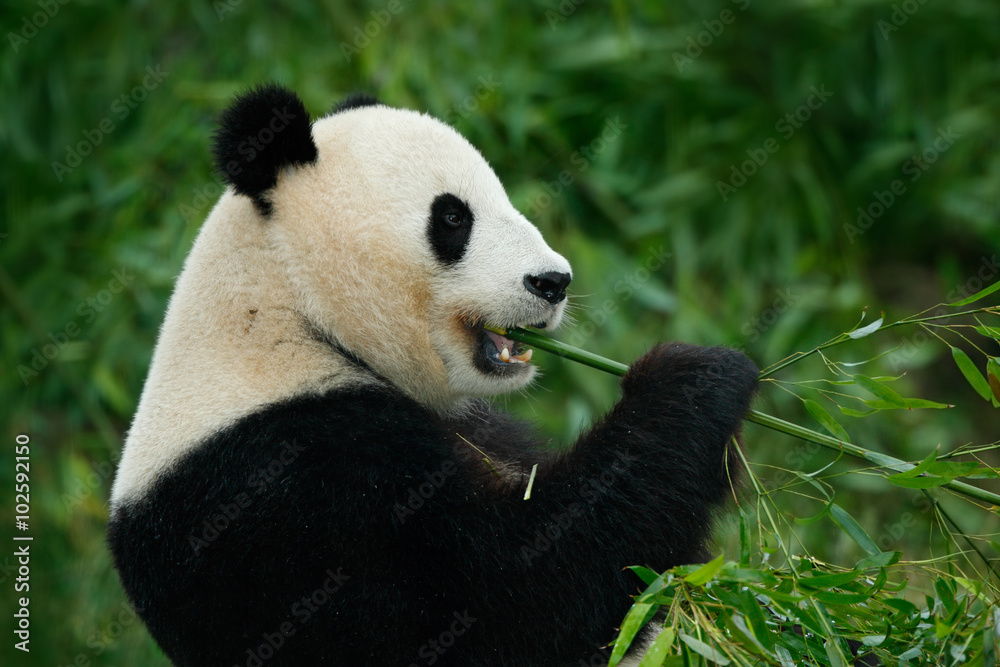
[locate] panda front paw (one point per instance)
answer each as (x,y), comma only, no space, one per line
(679,375)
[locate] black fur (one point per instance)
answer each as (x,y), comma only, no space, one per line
(355,101)
(399,534)
(449,228)
(262,131)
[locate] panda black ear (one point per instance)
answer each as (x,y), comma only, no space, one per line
(262,131)
(354,101)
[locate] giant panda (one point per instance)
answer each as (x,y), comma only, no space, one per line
(314,475)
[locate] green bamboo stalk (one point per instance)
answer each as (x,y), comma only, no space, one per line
(615,368)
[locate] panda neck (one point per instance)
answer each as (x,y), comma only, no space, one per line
(234,339)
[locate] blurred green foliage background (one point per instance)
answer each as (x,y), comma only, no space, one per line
(612,125)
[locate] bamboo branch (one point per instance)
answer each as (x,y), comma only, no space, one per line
(615,368)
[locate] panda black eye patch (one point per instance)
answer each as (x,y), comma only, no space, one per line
(449,228)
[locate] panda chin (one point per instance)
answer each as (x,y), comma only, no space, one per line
(496,355)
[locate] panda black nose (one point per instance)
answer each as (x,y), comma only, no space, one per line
(550,285)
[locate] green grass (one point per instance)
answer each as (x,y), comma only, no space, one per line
(594,97)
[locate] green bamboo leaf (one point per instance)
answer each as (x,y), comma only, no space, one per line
(834,653)
(921,467)
(704,650)
(978,295)
(810,620)
(784,656)
(806,521)
(851,412)
(918,482)
(954,468)
(744,540)
(706,572)
(971,373)
(884,559)
(993,375)
(747,575)
(831,579)
(902,606)
(659,649)
(780,596)
(826,420)
(924,404)
(638,616)
(648,576)
(880,390)
(946,593)
(654,589)
(839,598)
(989,332)
(755,618)
(738,628)
(850,526)
(865,331)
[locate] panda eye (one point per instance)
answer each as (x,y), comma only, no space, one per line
(449,228)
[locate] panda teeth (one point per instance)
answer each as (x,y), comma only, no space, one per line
(523,358)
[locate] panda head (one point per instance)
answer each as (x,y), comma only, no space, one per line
(398,240)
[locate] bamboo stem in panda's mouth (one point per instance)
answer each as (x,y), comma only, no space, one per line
(615,368)
(560,349)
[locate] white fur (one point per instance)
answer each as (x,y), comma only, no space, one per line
(347,250)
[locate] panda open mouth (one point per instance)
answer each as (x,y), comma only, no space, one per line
(505,350)
(497,354)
